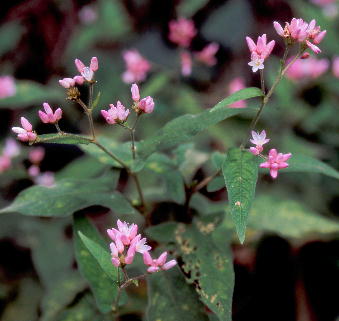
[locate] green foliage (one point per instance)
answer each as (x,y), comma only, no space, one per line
(208,266)
(240,170)
(184,128)
(30,93)
(68,196)
(216,184)
(303,163)
(288,218)
(163,233)
(172,299)
(103,288)
(10,34)
(102,256)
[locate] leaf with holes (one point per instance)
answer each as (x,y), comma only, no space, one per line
(240,170)
(208,266)
(172,299)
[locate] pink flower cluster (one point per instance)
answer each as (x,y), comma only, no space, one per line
(137,67)
(307,68)
(7,87)
(35,156)
(275,160)
(181,32)
(127,242)
(300,31)
(259,51)
(25,133)
(10,150)
(50,117)
(118,114)
(86,73)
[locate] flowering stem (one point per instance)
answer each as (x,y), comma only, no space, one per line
(103,148)
(91,123)
(267,97)
(262,81)
(141,195)
(90,100)
(132,131)
(58,129)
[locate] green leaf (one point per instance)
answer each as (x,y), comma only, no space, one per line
(184,128)
(172,299)
(68,196)
(10,34)
(288,218)
(103,288)
(61,295)
(189,7)
(63,139)
(303,163)
(85,167)
(96,100)
(29,93)
(156,83)
(208,266)
(216,184)
(240,170)
(102,256)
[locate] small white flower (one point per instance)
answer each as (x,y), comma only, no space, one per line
(87,73)
(256,64)
(259,139)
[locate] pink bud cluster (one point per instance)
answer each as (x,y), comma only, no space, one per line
(35,156)
(25,133)
(7,87)
(300,31)
(181,32)
(145,105)
(275,160)
(137,66)
(115,114)
(86,73)
(10,150)
(259,51)
(127,242)
(50,117)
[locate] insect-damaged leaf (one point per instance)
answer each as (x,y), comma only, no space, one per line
(208,265)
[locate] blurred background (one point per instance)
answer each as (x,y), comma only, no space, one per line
(277,278)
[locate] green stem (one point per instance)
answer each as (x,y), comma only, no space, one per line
(267,97)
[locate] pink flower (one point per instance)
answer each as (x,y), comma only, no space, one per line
(258,140)
(262,49)
(116,114)
(67,82)
(33,171)
(308,68)
(46,179)
(87,72)
(5,163)
(275,162)
(11,148)
(235,85)
(335,67)
(323,2)
(48,117)
(87,14)
(146,105)
(26,133)
(259,51)
(182,31)
(156,265)
(300,31)
(7,86)
(140,244)
(79,80)
(207,54)
(126,232)
(137,67)
(36,155)
(186,63)
(135,92)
